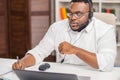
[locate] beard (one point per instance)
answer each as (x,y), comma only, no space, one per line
(81,26)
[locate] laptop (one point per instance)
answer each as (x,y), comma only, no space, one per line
(38,75)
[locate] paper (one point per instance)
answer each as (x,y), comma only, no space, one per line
(5,69)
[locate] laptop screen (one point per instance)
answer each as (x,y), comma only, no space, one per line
(36,75)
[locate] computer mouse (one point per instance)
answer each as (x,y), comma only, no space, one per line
(44,66)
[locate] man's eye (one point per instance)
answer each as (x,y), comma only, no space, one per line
(79,14)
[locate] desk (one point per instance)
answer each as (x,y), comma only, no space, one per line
(5,65)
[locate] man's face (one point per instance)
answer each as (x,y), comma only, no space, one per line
(79,15)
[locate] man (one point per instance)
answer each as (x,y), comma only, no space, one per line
(80,39)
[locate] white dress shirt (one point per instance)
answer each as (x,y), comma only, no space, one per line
(98,37)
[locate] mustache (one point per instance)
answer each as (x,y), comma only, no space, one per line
(74,23)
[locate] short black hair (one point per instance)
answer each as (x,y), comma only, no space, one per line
(85,1)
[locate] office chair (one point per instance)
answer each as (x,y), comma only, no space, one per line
(106,17)
(110,19)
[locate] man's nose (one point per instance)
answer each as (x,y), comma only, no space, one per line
(73,17)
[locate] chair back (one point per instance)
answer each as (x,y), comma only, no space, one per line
(110,19)
(106,17)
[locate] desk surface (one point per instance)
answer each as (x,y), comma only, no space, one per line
(5,65)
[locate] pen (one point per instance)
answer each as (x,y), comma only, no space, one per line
(63,59)
(18,61)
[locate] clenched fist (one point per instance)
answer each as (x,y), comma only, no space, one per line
(66,48)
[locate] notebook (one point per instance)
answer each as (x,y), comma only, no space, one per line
(38,75)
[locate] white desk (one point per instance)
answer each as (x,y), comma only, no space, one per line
(5,65)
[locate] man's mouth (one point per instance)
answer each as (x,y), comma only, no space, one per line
(73,24)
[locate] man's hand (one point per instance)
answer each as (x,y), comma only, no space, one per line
(19,65)
(27,61)
(66,48)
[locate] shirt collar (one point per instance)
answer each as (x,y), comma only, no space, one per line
(90,26)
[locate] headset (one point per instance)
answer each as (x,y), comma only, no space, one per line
(90,7)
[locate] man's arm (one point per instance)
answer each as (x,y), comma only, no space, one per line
(88,57)
(26,61)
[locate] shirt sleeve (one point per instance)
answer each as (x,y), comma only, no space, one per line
(45,47)
(106,50)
